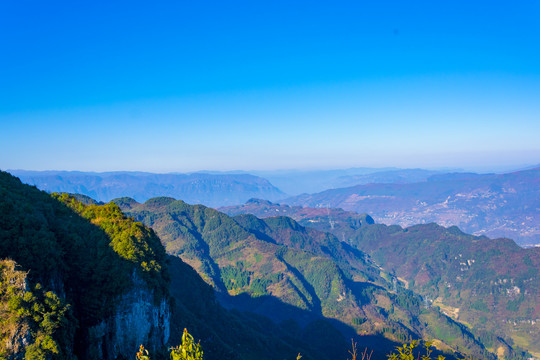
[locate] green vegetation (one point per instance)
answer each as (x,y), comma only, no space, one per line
(407,352)
(86,255)
(90,255)
(130,240)
(34,322)
(409,301)
(513,305)
(492,283)
(78,259)
(479,305)
(188,350)
(235,277)
(313,272)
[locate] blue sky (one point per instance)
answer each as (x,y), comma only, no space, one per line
(223,85)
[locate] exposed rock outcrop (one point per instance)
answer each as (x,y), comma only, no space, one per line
(139,318)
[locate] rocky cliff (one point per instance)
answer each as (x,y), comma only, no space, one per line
(137,320)
(95,282)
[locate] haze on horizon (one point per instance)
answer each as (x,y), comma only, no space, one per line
(184,86)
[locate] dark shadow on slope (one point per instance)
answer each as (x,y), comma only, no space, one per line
(249,328)
(316,303)
(214,268)
(243,327)
(327,337)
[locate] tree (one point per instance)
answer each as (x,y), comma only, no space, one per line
(188,350)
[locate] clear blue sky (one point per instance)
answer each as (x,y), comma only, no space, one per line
(222,85)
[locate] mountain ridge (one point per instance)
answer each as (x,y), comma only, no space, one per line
(496,205)
(209,189)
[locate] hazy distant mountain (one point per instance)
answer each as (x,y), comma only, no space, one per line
(296,182)
(504,205)
(198,188)
(400,176)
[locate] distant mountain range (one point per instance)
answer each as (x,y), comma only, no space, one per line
(295,182)
(198,188)
(496,205)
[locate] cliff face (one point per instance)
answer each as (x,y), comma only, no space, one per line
(96,281)
(15,332)
(138,319)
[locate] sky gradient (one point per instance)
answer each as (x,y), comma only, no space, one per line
(213,85)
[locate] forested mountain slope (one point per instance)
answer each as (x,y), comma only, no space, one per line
(279,268)
(83,280)
(491,285)
(101,283)
(86,274)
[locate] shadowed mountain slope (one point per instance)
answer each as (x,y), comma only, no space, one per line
(87,281)
(279,268)
(491,285)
